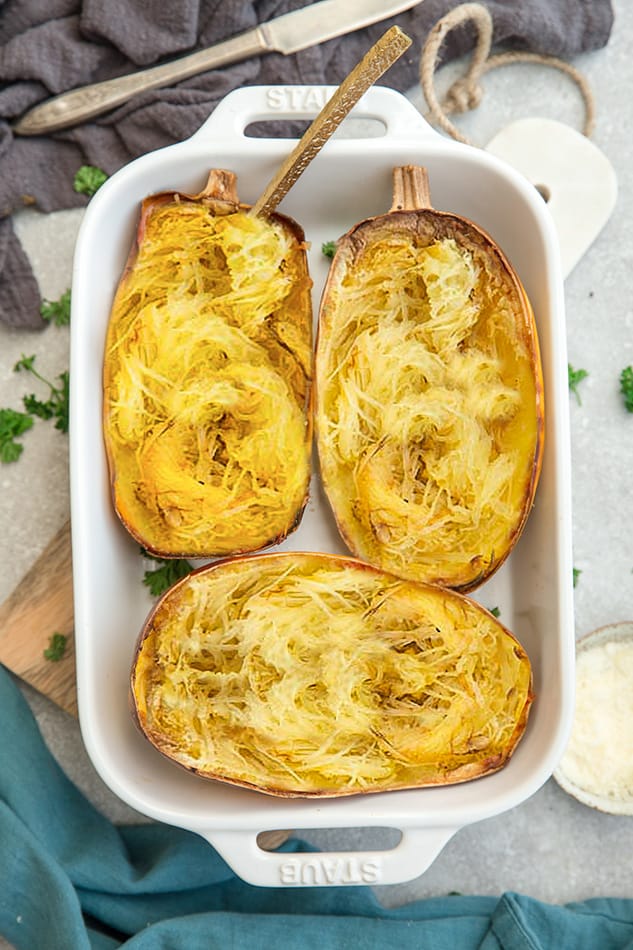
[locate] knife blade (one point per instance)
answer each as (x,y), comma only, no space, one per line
(285,34)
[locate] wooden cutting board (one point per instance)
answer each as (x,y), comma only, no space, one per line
(41,605)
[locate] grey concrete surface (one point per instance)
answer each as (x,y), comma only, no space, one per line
(550,847)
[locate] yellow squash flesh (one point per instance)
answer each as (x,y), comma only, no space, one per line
(207,375)
(316,675)
(429,395)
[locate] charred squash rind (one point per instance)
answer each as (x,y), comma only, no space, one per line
(449,561)
(147,476)
(335,682)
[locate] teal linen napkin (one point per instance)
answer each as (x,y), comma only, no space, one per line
(71,880)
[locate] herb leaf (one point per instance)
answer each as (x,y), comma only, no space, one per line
(25,362)
(163,577)
(626,387)
(329,248)
(61,402)
(89,179)
(12,425)
(574,377)
(35,407)
(57,405)
(577,573)
(57,311)
(495,611)
(56,647)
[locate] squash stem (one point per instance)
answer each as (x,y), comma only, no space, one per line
(411,190)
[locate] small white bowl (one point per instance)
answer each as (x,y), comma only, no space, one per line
(612,633)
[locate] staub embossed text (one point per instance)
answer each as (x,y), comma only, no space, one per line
(330,870)
(296,98)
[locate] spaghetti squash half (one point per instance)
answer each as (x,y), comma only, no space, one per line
(429,394)
(314,675)
(207,374)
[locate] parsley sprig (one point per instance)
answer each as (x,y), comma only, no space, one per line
(328,248)
(162,578)
(626,387)
(56,647)
(56,406)
(57,311)
(13,424)
(575,376)
(88,179)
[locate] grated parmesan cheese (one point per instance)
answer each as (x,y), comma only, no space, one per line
(598,757)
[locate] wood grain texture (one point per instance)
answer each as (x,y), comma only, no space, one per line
(41,605)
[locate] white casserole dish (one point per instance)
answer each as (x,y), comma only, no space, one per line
(347,182)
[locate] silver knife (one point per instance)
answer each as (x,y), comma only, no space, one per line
(285,34)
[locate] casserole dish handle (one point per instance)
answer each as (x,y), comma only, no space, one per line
(414,853)
(243,107)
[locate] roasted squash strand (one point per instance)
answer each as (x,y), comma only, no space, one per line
(202,369)
(330,677)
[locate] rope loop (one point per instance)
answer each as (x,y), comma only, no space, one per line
(467,92)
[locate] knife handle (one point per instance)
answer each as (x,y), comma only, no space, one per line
(86,102)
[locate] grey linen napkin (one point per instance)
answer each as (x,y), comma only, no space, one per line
(49,46)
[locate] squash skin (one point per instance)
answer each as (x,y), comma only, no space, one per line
(183,502)
(480,557)
(163,651)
